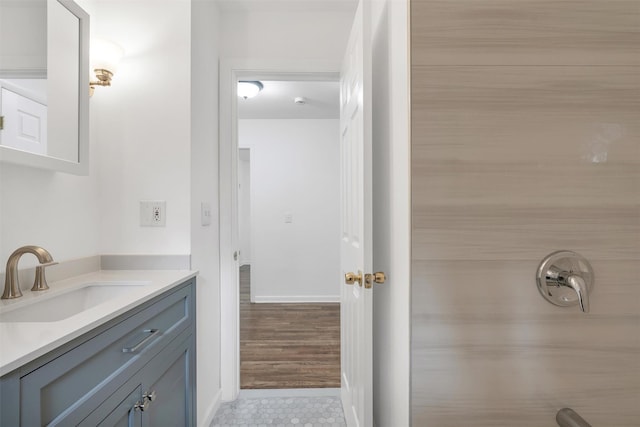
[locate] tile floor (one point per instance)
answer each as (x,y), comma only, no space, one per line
(268,410)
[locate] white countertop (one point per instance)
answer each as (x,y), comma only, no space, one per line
(22,342)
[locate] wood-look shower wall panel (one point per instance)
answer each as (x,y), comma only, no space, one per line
(520,161)
(520,147)
(525,32)
(486,353)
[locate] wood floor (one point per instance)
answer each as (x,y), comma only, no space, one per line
(288,345)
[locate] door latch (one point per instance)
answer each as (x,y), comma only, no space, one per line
(369,279)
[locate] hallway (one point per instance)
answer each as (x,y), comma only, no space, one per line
(287,345)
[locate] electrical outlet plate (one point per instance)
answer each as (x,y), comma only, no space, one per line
(153,213)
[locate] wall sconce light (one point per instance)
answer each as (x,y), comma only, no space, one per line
(105,56)
(249,89)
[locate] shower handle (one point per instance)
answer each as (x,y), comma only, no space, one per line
(565,278)
(578,284)
(557,277)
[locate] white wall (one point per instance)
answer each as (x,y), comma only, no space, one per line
(294,171)
(142,125)
(284,32)
(391,213)
(204,188)
(244,205)
(54,210)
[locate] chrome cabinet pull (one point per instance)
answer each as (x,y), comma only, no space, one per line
(567,417)
(142,406)
(147,398)
(152,333)
(150,396)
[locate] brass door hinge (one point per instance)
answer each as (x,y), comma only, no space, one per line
(1,122)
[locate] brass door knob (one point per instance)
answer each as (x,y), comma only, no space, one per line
(378,277)
(351,278)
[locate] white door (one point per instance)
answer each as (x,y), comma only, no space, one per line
(356,250)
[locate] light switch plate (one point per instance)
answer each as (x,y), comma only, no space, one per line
(153,213)
(205,213)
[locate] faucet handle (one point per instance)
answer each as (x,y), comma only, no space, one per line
(40,284)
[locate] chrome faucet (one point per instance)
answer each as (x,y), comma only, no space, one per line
(11,284)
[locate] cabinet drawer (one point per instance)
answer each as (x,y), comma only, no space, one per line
(98,367)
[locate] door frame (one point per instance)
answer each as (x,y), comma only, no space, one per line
(232,70)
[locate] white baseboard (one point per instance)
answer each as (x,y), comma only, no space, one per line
(289,392)
(295,299)
(211,410)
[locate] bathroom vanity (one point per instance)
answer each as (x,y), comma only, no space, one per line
(127,361)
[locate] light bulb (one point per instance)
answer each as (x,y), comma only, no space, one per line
(105,55)
(249,89)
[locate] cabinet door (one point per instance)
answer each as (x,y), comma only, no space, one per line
(25,123)
(171,378)
(118,410)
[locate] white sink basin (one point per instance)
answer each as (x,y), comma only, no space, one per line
(53,307)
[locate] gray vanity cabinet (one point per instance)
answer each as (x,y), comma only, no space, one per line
(107,376)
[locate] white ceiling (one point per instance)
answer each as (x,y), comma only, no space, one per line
(276,101)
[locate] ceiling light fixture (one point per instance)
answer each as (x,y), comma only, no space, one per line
(249,89)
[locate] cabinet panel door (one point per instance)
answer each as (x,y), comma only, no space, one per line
(25,123)
(117,411)
(125,415)
(171,376)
